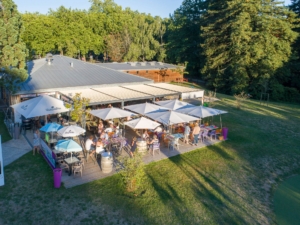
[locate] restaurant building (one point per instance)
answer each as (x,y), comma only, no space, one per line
(63,77)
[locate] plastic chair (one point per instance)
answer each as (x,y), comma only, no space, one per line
(64,166)
(77,169)
(213,134)
(155,147)
(204,135)
(174,143)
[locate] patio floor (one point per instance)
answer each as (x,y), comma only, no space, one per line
(92,170)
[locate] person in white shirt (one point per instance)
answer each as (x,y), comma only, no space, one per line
(104,136)
(89,144)
(145,135)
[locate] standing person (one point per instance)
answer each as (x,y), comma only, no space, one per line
(36,142)
(133,147)
(196,132)
(187,131)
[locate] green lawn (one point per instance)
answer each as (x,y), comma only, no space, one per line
(3,130)
(287,201)
(229,183)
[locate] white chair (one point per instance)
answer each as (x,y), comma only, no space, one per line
(204,135)
(213,134)
(77,169)
(173,143)
(64,166)
(155,147)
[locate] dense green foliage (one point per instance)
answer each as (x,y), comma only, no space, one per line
(105,30)
(245,43)
(235,46)
(12,49)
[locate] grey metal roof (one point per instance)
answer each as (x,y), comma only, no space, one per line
(60,74)
(127,66)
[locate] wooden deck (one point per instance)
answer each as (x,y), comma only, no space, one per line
(92,170)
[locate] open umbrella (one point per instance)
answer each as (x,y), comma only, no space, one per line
(68,146)
(202,112)
(174,104)
(51,127)
(40,106)
(171,117)
(142,123)
(71,131)
(111,113)
(145,108)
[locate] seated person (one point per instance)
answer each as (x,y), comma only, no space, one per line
(99,147)
(100,127)
(145,135)
(104,136)
(110,128)
(117,130)
(89,144)
(154,140)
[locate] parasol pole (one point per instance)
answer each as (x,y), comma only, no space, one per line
(221,121)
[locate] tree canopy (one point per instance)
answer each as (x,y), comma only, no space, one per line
(12,49)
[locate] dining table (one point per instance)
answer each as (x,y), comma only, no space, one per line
(70,161)
(211,127)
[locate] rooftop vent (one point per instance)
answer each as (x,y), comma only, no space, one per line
(132,63)
(71,64)
(142,63)
(151,63)
(49,58)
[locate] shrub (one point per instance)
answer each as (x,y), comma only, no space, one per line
(132,172)
(240,98)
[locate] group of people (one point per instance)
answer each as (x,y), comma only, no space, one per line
(150,142)
(94,146)
(196,133)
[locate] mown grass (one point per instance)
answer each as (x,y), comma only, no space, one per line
(228,183)
(3,130)
(287,201)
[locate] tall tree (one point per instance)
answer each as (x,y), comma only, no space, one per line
(245,43)
(12,49)
(144,45)
(183,35)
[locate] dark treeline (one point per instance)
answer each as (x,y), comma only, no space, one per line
(240,45)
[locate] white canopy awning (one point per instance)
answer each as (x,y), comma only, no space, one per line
(201,111)
(111,113)
(170,117)
(142,123)
(144,108)
(174,104)
(155,91)
(40,106)
(123,93)
(95,96)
